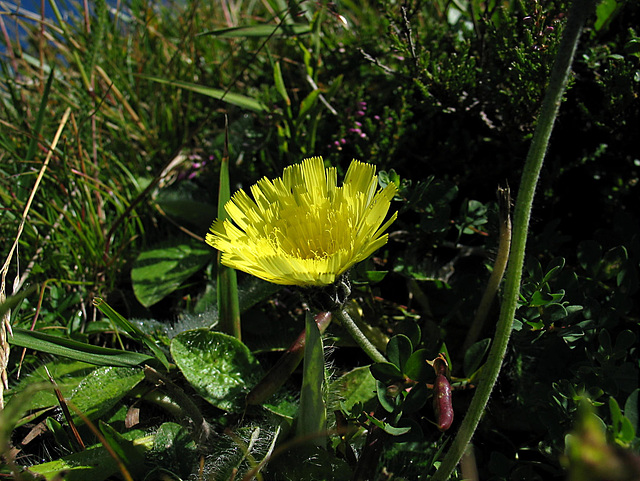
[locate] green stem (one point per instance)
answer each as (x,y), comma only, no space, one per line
(362,341)
(580,9)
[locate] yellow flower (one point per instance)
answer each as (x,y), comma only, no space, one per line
(301,228)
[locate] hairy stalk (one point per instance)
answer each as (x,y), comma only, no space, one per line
(580,9)
(362,341)
(499,267)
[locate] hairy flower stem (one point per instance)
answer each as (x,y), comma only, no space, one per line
(580,9)
(358,336)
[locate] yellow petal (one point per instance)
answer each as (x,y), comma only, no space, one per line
(302,228)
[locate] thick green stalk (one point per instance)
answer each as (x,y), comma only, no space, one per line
(357,335)
(580,9)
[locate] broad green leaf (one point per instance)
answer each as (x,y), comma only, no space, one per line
(386,372)
(613,262)
(605,12)
(388,401)
(129,454)
(159,271)
(631,409)
(474,355)
(229,97)
(66,373)
(80,351)
(93,464)
(416,398)
(356,386)
(411,329)
(261,31)
(416,367)
(173,447)
(218,366)
(312,415)
(103,389)
(399,349)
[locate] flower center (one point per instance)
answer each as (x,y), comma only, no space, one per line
(314,234)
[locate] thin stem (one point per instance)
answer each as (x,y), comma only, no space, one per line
(358,336)
(580,9)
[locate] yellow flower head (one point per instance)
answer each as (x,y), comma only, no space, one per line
(301,228)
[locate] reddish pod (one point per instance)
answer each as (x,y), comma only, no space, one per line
(442,402)
(442,406)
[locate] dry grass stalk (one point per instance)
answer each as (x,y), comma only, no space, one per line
(5,325)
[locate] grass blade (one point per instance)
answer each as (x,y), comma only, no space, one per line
(238,100)
(227,287)
(282,30)
(134,331)
(80,351)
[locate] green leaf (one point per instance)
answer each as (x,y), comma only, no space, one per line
(387,400)
(218,366)
(416,398)
(307,104)
(37,128)
(474,355)
(631,409)
(226,278)
(416,367)
(93,464)
(386,373)
(605,12)
(312,415)
(279,30)
(59,434)
(173,447)
(356,386)
(80,351)
(279,83)
(66,373)
(11,302)
(159,271)
(613,262)
(554,267)
(103,389)
(388,428)
(131,329)
(589,255)
(411,329)
(623,429)
(399,349)
(128,453)
(14,410)
(229,97)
